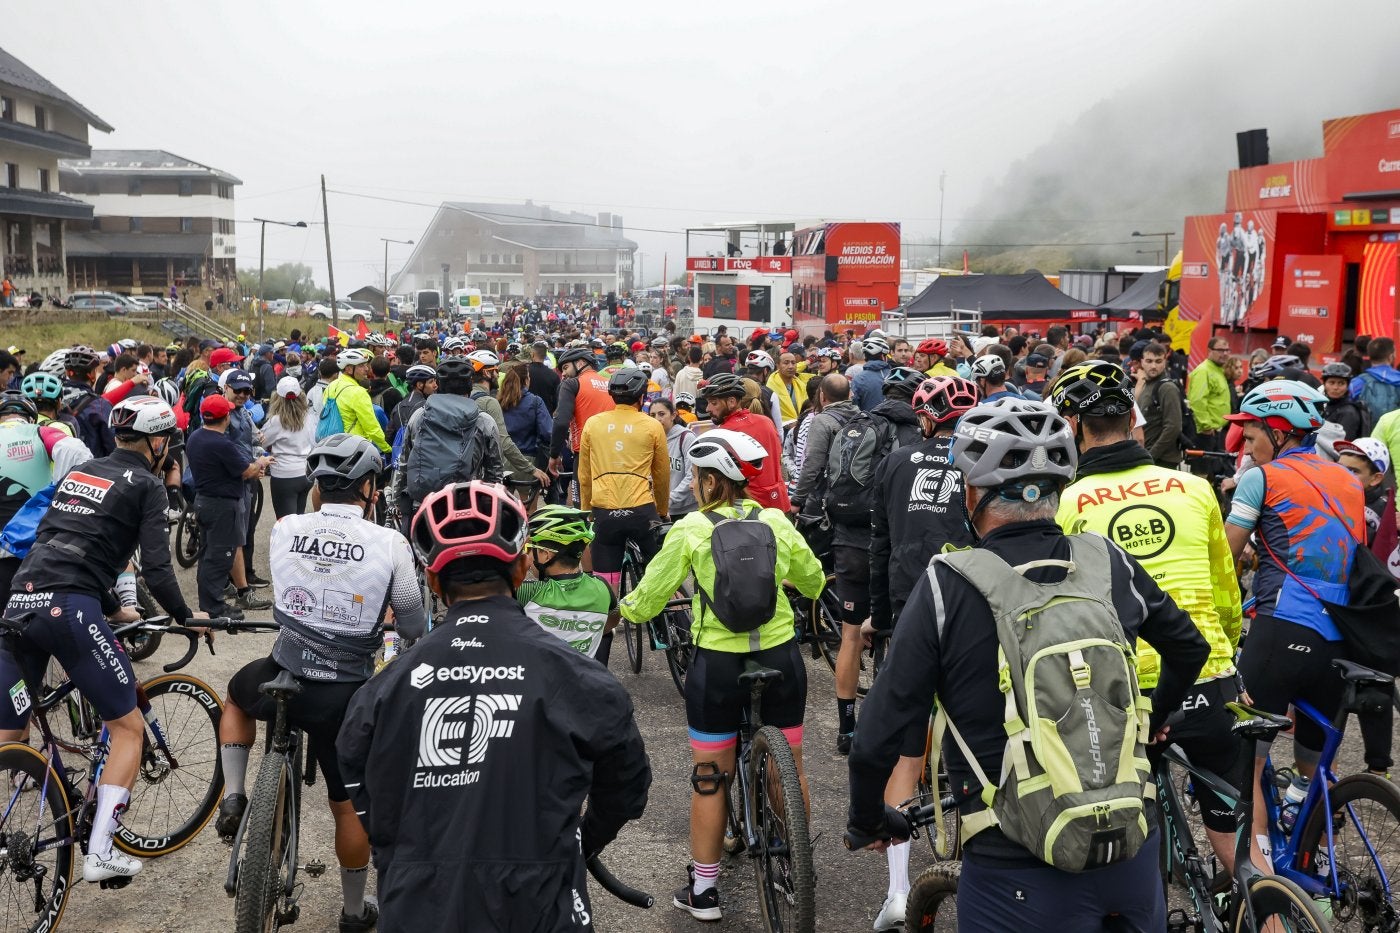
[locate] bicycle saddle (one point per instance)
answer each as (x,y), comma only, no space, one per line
(284,684)
(755,673)
(1257,725)
(1354,673)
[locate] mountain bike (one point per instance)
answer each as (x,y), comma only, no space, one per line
(188,540)
(50,805)
(769,819)
(659,630)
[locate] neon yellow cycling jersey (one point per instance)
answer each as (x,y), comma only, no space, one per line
(1170,522)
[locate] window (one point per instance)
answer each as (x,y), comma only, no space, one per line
(11,175)
(225,225)
(483,259)
(519,259)
(186,188)
(225,191)
(41,118)
(187,226)
(133,224)
(133,188)
(7,109)
(43,179)
(495,259)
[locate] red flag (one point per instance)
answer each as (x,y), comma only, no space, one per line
(965,269)
(331,332)
(361,332)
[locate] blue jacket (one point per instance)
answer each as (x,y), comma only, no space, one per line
(1379,388)
(867,388)
(529,424)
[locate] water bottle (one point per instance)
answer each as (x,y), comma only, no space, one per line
(1292,801)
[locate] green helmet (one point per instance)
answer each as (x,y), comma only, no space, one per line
(559,524)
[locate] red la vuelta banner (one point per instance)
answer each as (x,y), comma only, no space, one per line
(1310,301)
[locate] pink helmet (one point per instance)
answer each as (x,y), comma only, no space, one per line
(944,398)
(468,520)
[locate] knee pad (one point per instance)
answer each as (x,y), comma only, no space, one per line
(706,779)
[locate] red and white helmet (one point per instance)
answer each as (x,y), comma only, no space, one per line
(761,359)
(469,520)
(732,453)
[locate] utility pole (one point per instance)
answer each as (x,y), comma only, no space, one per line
(262,252)
(386,242)
(330,266)
(942,179)
(1166,244)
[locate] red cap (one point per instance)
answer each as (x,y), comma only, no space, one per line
(215,408)
(761,332)
(221,356)
(638,345)
(790,336)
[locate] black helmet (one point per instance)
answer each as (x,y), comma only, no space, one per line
(13,402)
(627,385)
(455,374)
(1337,370)
(723,385)
(902,382)
(577,355)
(341,461)
(1096,388)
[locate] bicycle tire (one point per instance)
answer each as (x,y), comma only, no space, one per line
(1351,853)
(1273,897)
(17,758)
(932,904)
(160,819)
(187,539)
(786,883)
(264,847)
(141,645)
(679,647)
(634,632)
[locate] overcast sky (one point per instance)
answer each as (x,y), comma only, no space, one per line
(670,114)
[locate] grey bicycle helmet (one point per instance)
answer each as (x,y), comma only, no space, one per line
(418,372)
(1013,442)
(722,385)
(577,355)
(342,461)
(627,384)
(1336,370)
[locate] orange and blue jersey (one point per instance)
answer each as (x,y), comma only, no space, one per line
(1309,517)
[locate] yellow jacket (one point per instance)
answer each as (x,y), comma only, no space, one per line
(622,461)
(790,401)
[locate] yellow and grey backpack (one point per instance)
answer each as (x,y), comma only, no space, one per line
(1074,774)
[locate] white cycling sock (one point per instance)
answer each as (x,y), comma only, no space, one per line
(352,889)
(898,858)
(110,797)
(235,761)
(706,877)
(126,588)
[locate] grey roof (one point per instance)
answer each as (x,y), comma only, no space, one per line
(125,161)
(43,204)
(17,74)
(137,244)
(536,226)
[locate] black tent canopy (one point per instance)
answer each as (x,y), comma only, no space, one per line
(999,298)
(1142,296)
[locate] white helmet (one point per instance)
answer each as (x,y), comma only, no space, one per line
(56,363)
(455,344)
(761,359)
(483,359)
(351,357)
(736,455)
(145,415)
(644,367)
(987,365)
(875,346)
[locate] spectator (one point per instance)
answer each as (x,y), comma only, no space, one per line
(678,441)
(1160,401)
(689,376)
(326,372)
(1208,393)
(528,421)
(1341,408)
(288,434)
(1379,386)
(725,358)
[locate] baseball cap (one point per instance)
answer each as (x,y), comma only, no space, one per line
(790,336)
(238,380)
(1281,342)
(207,344)
(981,343)
(637,346)
(15,351)
(215,407)
(221,356)
(288,387)
(1035,359)
(1084,340)
(696,338)
(1369,447)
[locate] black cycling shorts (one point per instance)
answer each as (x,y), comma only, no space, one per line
(1282,662)
(317,711)
(1203,732)
(71,628)
(613,528)
(852,568)
(715,702)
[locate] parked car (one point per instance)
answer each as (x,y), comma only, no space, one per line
(147,302)
(124,304)
(109,306)
(281,306)
(347,312)
(370,311)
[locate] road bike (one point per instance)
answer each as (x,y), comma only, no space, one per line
(769,818)
(818,625)
(51,803)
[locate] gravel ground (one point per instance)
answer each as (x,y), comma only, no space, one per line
(184,890)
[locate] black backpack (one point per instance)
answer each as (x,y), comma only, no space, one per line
(445,448)
(1187,439)
(856,452)
(745,555)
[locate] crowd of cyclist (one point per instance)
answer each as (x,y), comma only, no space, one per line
(504,474)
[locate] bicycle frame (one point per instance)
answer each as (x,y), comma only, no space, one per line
(287,743)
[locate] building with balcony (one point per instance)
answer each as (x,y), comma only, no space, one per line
(519,250)
(39,125)
(158,220)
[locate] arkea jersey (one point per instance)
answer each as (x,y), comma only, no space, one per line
(333,575)
(573,608)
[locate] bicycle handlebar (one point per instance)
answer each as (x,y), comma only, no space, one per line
(232,626)
(1199,454)
(608,882)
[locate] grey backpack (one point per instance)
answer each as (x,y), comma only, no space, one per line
(745,555)
(1074,773)
(445,448)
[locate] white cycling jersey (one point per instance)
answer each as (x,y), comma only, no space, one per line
(333,576)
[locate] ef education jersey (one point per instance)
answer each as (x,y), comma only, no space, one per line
(333,575)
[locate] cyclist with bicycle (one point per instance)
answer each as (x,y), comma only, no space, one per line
(1015,457)
(101,512)
(565,600)
(1306,515)
(334,573)
(725,462)
(624,476)
(469,759)
(1170,522)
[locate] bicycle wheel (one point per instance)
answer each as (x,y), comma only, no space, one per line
(933,900)
(633,634)
(141,645)
(945,838)
(1279,904)
(171,804)
(1365,849)
(187,543)
(787,891)
(265,845)
(679,647)
(36,832)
